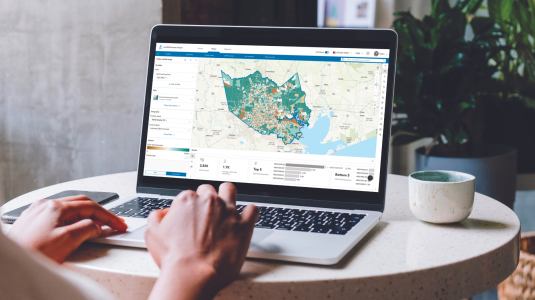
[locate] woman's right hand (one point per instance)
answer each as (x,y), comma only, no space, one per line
(199,243)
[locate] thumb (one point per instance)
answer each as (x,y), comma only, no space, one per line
(154,243)
(156,217)
(249,216)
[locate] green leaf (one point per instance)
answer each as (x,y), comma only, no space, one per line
(525,17)
(464,105)
(526,100)
(461,137)
(531,5)
(406,44)
(473,6)
(461,4)
(415,30)
(500,10)
(439,7)
(506,8)
(481,25)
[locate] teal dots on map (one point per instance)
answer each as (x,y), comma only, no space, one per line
(267,107)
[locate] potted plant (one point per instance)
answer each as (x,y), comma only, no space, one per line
(452,67)
(512,119)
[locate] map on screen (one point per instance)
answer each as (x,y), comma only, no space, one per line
(304,107)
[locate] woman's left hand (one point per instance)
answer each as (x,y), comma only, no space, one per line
(57,227)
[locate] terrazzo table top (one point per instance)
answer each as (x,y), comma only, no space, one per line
(401,258)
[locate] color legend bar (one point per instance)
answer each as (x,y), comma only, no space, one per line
(168,149)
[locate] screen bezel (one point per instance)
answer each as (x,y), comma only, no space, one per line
(275,36)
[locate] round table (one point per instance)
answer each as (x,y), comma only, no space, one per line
(401,258)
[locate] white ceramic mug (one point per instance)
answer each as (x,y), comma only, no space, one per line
(441,196)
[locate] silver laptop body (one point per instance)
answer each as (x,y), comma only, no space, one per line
(298,118)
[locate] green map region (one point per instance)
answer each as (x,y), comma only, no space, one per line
(266,107)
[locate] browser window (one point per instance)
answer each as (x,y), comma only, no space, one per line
(295,116)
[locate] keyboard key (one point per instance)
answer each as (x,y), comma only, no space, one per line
(320,229)
(284,227)
(304,228)
(339,230)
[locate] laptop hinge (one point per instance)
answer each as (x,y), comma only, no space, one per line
(158,191)
(277,200)
(310,202)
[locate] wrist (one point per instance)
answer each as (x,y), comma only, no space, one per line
(193,279)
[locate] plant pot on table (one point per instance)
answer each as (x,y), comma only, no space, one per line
(493,165)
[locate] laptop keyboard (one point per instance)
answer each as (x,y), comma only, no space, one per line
(305,220)
(270,217)
(140,207)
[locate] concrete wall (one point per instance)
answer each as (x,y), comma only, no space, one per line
(72,78)
(72,82)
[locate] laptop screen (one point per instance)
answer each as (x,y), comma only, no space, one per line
(271,115)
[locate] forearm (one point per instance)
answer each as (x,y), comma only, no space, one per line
(183,282)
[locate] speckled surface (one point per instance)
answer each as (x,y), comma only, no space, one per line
(401,258)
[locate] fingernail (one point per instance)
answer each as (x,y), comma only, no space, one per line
(122,219)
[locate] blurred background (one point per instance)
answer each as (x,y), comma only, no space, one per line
(72,81)
(73,73)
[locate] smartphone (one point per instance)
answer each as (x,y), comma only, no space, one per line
(99,197)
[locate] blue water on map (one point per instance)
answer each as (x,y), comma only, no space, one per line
(241,143)
(312,139)
(363,149)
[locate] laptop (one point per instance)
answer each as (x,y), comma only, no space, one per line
(298,119)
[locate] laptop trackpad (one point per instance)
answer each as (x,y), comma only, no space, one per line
(259,235)
(138,234)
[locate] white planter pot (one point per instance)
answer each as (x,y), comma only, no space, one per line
(495,173)
(401,157)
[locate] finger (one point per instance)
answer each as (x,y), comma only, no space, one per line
(228,192)
(100,224)
(185,195)
(74,198)
(206,189)
(103,224)
(180,199)
(249,216)
(96,222)
(156,216)
(79,210)
(80,232)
